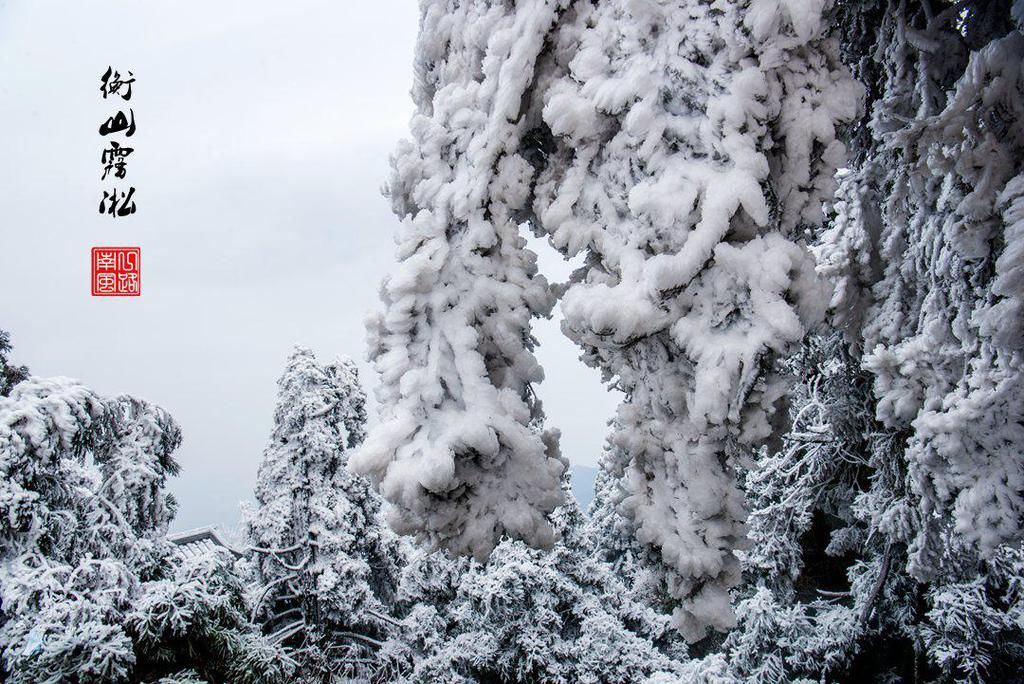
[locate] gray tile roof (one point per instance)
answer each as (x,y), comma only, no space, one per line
(202,540)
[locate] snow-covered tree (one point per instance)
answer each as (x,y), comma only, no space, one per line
(695,145)
(83,475)
(925,251)
(456,451)
(326,565)
(683,147)
(529,616)
(10,375)
(804,610)
(939,332)
(686,151)
(194,620)
(612,536)
(82,545)
(886,530)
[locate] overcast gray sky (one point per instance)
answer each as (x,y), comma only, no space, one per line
(263,135)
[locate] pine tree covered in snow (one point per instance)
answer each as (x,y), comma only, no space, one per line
(613,538)
(687,177)
(193,622)
(71,560)
(10,375)
(530,616)
(86,574)
(886,531)
(939,334)
(325,564)
(813,570)
(929,275)
(686,151)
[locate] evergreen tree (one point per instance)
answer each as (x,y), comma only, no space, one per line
(529,616)
(325,564)
(886,534)
(695,144)
(10,375)
(193,621)
(84,565)
(612,536)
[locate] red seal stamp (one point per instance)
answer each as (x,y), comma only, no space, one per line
(116,271)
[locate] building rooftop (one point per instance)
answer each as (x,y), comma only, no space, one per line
(201,540)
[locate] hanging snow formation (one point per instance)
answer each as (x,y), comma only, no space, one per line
(902,464)
(698,143)
(683,148)
(460,451)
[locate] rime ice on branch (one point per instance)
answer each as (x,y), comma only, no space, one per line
(940,320)
(683,148)
(460,451)
(695,144)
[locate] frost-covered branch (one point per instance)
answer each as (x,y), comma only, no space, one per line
(687,168)
(459,451)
